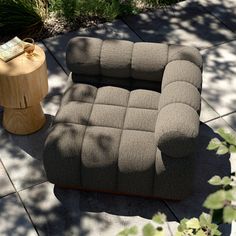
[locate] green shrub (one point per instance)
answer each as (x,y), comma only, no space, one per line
(107,9)
(27,17)
(22,15)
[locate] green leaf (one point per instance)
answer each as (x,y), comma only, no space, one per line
(182,225)
(232,149)
(159,218)
(229,138)
(215,180)
(226,180)
(149,230)
(222,150)
(205,219)
(215,200)
(230,195)
(216,232)
(193,224)
(229,214)
(200,233)
(214,144)
(128,231)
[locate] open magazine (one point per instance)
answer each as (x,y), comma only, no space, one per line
(11,49)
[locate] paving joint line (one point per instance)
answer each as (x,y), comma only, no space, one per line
(19,197)
(8,194)
(212,119)
(170,209)
(228,113)
(218,44)
(32,186)
(54,57)
(131,28)
(206,9)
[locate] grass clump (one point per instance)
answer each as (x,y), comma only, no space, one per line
(22,15)
(32,18)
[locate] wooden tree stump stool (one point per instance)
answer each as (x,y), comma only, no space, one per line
(23,84)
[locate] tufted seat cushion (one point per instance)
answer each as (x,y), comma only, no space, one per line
(129,122)
(104,137)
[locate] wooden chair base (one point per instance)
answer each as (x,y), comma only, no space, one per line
(23,121)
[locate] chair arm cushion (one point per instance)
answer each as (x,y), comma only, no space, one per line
(177,123)
(177,129)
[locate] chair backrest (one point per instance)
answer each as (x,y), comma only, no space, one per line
(138,65)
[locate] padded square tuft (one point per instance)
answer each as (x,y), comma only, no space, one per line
(149,60)
(140,119)
(144,99)
(99,164)
(107,116)
(81,92)
(74,112)
(116,58)
(112,96)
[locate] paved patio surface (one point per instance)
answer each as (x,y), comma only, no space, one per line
(30,205)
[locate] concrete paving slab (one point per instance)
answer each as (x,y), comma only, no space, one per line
(219,77)
(57,83)
(114,30)
(225,11)
(22,156)
(208,164)
(13,218)
(187,24)
(57,211)
(207,113)
(5,183)
(231,120)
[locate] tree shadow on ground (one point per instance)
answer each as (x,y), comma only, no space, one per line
(22,156)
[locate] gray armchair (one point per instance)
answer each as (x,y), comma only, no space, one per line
(129,122)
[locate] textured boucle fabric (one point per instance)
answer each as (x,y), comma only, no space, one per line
(176,129)
(129,121)
(179,108)
(83,56)
(124,59)
(149,60)
(116,149)
(182,70)
(188,94)
(191,54)
(116,58)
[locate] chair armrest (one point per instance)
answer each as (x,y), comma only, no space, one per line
(177,123)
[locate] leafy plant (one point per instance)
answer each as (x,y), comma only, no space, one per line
(199,227)
(22,15)
(32,17)
(221,203)
(108,10)
(148,229)
(227,145)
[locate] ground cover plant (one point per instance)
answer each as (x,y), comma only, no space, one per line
(44,18)
(221,205)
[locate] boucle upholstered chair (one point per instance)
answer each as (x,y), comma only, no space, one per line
(129,122)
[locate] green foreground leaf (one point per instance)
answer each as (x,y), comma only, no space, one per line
(159,218)
(228,137)
(229,214)
(215,200)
